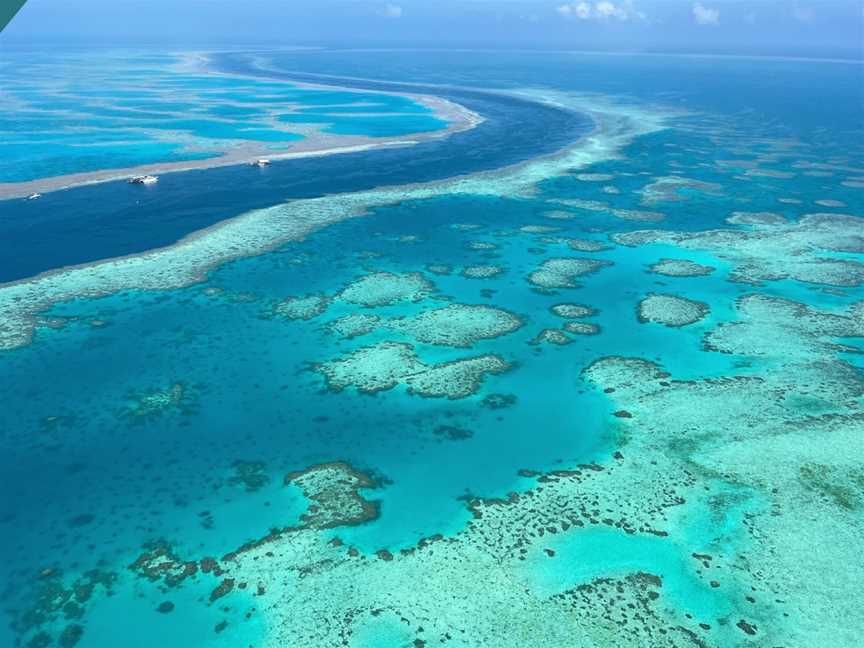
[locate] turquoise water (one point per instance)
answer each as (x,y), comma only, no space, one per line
(592,554)
(37,158)
(369,126)
(189,623)
(219,130)
(89,482)
(151,112)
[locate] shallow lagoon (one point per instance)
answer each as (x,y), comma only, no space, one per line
(370,126)
(160,101)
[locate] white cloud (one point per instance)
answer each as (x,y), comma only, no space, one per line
(602,10)
(390,11)
(705,15)
(581,10)
(803,14)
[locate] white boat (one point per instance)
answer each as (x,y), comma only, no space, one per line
(260,162)
(34,196)
(145,179)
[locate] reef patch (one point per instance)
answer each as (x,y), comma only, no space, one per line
(299,308)
(671,310)
(572,311)
(582,328)
(778,251)
(149,404)
(334,492)
(482,271)
(553,336)
(354,325)
(383,366)
(458,325)
(386,288)
(680,268)
(563,272)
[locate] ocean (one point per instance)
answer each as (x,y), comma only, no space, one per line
(585,374)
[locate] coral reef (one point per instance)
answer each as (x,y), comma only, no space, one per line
(673,188)
(595,177)
(680,268)
(756,218)
(572,311)
(299,308)
(551,336)
(586,245)
(439,268)
(458,325)
(499,401)
(54,600)
(354,325)
(482,271)
(252,475)
(671,310)
(559,214)
(582,328)
(333,490)
(481,246)
(159,563)
(538,229)
(563,272)
(776,251)
(385,365)
(385,288)
(146,405)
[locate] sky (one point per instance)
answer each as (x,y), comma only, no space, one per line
(822,28)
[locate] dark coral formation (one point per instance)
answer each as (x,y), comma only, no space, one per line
(629,605)
(499,401)
(147,405)
(53,601)
(158,562)
(252,475)
(453,432)
(334,489)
